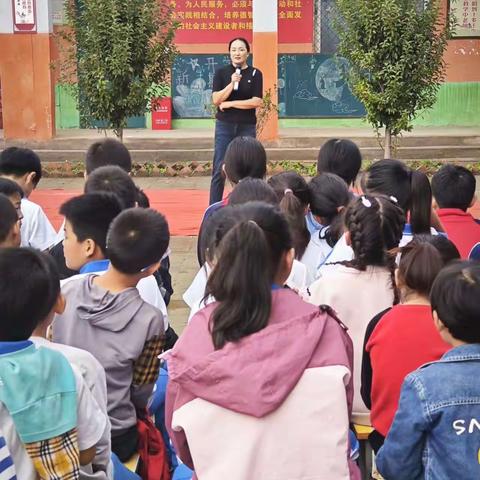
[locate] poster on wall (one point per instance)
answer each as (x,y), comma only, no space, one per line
(24,16)
(466,15)
(218,21)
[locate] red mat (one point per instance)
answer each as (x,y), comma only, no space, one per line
(183,208)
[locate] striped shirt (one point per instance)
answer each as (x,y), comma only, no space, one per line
(7,469)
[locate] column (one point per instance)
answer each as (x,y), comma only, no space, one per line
(265,55)
(27,84)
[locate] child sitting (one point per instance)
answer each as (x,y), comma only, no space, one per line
(106,316)
(436,430)
(14,192)
(401,339)
(49,419)
(329,196)
(338,156)
(23,166)
(245,157)
(239,377)
(9,224)
(361,288)
(454,193)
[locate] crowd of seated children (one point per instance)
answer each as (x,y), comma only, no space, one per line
(453,189)
(23,166)
(315,302)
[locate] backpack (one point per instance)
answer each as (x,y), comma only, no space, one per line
(151,449)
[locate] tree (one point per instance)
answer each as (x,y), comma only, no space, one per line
(395,49)
(121,48)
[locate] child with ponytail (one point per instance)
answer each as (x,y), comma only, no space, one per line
(260,362)
(364,286)
(403,338)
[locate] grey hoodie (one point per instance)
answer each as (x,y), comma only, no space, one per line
(124,333)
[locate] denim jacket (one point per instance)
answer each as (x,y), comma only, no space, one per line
(436,431)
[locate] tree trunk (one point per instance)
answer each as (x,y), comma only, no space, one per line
(119,133)
(388,143)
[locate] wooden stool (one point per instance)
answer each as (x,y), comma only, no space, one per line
(132,464)
(365,460)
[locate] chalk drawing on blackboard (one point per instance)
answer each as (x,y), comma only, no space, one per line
(331,81)
(193,100)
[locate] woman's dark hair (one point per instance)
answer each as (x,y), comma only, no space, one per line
(252,190)
(248,258)
(410,188)
(328,193)
(247,45)
(420,263)
(216,227)
(293,194)
(245,157)
(375,225)
(447,249)
(454,297)
(341,157)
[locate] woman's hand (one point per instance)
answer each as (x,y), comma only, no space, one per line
(224,105)
(236,77)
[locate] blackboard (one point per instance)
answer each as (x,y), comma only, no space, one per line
(309,85)
(315,86)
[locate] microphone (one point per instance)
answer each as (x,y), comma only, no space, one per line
(238,71)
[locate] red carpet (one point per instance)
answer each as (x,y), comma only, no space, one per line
(183,208)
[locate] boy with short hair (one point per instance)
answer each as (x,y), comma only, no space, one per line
(23,166)
(49,419)
(107,151)
(106,316)
(453,189)
(9,224)
(88,218)
(15,194)
(436,430)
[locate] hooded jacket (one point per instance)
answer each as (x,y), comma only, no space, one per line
(124,333)
(275,404)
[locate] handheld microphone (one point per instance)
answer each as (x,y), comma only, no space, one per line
(238,71)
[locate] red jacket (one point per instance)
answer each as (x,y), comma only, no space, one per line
(404,339)
(461,228)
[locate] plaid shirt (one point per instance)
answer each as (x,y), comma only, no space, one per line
(56,458)
(148,364)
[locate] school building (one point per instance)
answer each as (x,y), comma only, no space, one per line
(293,43)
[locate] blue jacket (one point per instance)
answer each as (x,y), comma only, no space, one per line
(436,431)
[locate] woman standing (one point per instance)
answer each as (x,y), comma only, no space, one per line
(237,92)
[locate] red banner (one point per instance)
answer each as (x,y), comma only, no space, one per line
(218,21)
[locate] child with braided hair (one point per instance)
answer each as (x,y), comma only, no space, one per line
(362,287)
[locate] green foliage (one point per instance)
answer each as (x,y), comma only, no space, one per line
(395,48)
(268,108)
(122,48)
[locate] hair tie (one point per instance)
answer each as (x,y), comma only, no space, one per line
(288,190)
(366,202)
